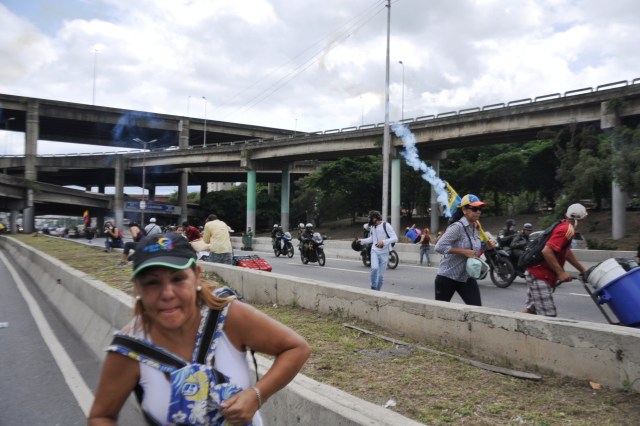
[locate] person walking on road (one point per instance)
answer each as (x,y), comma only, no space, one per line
(216,234)
(152,228)
(459,242)
(425,242)
(544,277)
(382,237)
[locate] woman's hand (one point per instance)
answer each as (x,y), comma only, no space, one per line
(240,408)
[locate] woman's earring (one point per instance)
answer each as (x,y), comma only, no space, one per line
(138,298)
(199,288)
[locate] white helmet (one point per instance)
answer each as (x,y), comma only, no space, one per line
(301,225)
(275,225)
(576,212)
(366,227)
(308,225)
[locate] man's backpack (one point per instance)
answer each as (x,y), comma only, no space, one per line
(384,226)
(532,254)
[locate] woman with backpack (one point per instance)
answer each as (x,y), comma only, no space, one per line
(136,234)
(184,353)
(459,242)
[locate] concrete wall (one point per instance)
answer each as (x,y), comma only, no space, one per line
(96,310)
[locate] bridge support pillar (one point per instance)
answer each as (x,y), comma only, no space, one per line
(30,153)
(395,196)
(251,200)
(118,199)
(608,122)
(284,198)
(13,221)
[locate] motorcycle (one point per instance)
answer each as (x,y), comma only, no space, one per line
(311,249)
(366,257)
(282,245)
(501,269)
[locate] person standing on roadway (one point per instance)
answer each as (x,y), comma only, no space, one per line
(382,237)
(459,242)
(544,277)
(152,228)
(216,234)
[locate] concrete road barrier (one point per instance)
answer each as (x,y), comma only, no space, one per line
(95,310)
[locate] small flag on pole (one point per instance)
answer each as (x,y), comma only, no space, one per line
(86,218)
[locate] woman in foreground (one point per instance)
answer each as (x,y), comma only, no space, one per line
(201,335)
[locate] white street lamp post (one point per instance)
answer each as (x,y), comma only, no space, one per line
(204,144)
(401,63)
(143,203)
(95,60)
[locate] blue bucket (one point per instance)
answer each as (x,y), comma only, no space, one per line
(623,296)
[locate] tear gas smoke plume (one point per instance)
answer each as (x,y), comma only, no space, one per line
(410,153)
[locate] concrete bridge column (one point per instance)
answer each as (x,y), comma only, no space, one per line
(395,196)
(203,191)
(608,122)
(13,221)
(251,200)
(284,198)
(31,151)
(151,192)
(118,199)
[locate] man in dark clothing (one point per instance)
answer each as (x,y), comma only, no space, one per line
(518,244)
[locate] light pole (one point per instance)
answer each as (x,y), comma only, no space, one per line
(188,104)
(361,112)
(401,63)
(204,144)
(143,203)
(95,60)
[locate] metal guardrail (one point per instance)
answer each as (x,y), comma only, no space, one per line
(585,90)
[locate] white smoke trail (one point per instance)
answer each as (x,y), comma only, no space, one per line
(410,153)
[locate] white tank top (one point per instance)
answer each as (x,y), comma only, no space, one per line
(157,389)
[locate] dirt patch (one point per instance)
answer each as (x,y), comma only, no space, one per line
(427,387)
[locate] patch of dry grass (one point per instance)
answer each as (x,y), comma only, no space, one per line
(429,388)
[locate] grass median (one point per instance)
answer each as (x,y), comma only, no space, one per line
(425,386)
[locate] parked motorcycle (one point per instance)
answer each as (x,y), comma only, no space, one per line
(283,246)
(501,270)
(366,257)
(311,249)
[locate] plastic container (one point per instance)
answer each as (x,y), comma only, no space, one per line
(605,272)
(623,297)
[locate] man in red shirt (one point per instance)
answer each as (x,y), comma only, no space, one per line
(191,232)
(543,277)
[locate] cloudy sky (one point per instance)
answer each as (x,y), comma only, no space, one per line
(310,65)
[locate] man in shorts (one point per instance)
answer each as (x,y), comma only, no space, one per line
(543,277)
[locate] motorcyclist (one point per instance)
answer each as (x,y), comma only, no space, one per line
(276,236)
(518,244)
(306,236)
(507,234)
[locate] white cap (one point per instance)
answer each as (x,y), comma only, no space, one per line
(152,220)
(576,212)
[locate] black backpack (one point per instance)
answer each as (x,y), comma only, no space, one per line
(532,254)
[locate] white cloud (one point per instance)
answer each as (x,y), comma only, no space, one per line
(313,65)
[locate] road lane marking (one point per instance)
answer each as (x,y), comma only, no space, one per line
(327,267)
(579,294)
(71,375)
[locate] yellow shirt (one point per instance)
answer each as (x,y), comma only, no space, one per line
(216,233)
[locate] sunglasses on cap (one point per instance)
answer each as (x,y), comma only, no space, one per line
(474,208)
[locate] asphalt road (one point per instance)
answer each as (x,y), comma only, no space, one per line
(47,375)
(572,300)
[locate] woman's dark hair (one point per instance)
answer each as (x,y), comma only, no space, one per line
(456,216)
